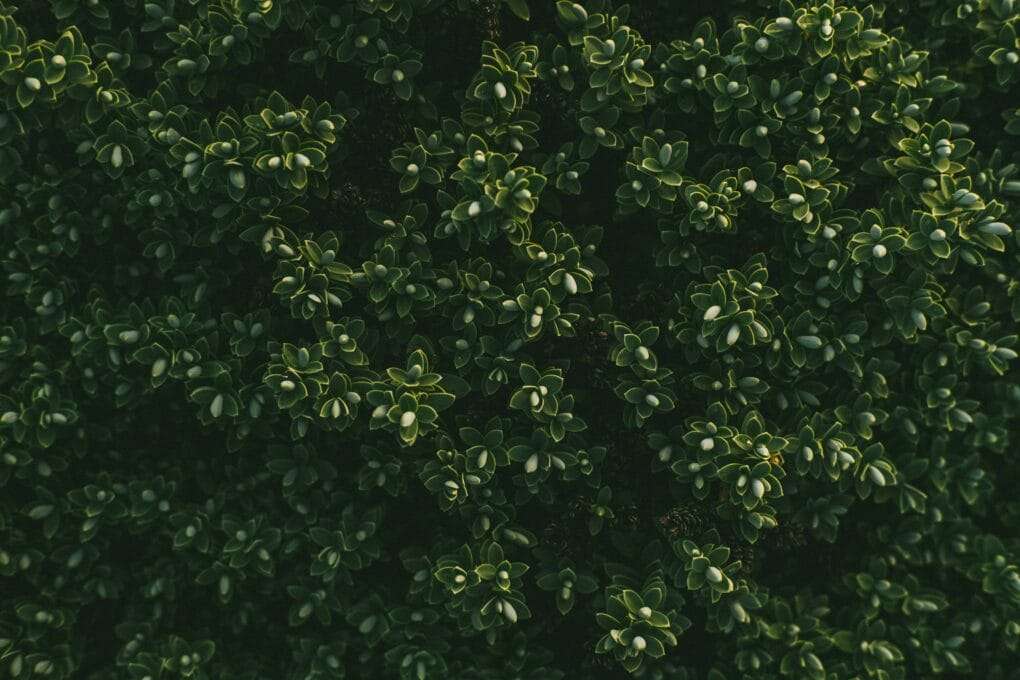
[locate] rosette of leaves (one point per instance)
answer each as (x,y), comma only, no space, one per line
(295,374)
(307,602)
(826,25)
(710,210)
(576,21)
(634,348)
(223,158)
(874,471)
(566,584)
(358,40)
(397,70)
(1002,50)
(503,82)
(987,230)
(515,192)
(485,590)
(665,162)
(477,211)
(464,348)
(412,661)
(320,120)
(277,116)
(245,333)
(407,295)
(600,511)
(485,449)
(646,396)
(876,243)
(213,390)
(933,151)
(446,478)
(538,311)
(557,259)
(52,69)
(540,455)
(117,149)
(308,274)
(638,623)
(249,543)
(381,276)
(755,46)
(904,109)
(476,297)
(412,162)
(540,391)
(339,401)
(380,471)
(351,545)
(565,175)
(729,93)
(292,161)
(721,308)
(404,234)
(598,131)
(95,504)
(705,568)
(952,198)
(191,65)
(411,408)
(497,362)
(186,658)
(617,63)
(342,340)
(559,67)
(751,129)
(748,485)
(300,468)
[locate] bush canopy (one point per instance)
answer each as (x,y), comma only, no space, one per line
(509,339)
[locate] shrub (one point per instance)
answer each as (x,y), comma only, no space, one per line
(524,339)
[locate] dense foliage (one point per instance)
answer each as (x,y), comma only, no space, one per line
(520,339)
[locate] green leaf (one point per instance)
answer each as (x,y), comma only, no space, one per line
(520,8)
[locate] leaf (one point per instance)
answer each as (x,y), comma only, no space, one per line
(520,8)
(632,600)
